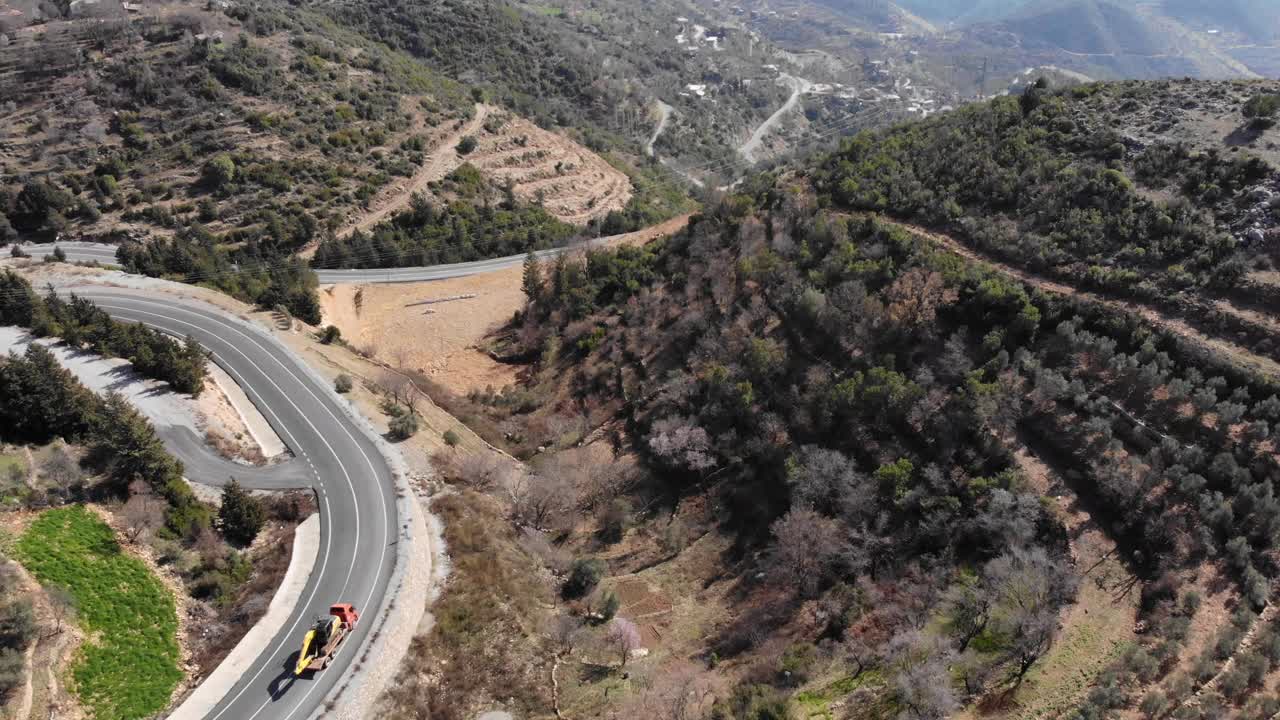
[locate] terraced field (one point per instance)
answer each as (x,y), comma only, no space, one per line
(571,182)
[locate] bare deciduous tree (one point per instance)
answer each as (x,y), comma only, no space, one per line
(143,512)
(601,484)
(682,444)
(61,468)
(63,604)
(401,389)
(968,611)
(556,558)
(1029,586)
(624,637)
(566,633)
(682,692)
(828,481)
(974,671)
(808,546)
(484,471)
(921,684)
(210,546)
(860,653)
(542,501)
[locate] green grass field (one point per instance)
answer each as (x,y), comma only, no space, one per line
(815,703)
(128,666)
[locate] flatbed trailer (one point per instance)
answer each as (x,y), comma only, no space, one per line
(322,641)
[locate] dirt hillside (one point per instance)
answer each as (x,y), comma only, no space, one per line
(440,339)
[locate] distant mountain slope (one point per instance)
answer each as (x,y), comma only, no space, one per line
(1089,27)
(879,15)
(1256,20)
(964,12)
(1109,38)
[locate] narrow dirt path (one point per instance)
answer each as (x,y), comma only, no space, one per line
(1246,643)
(799,86)
(439,162)
(1236,353)
(23,708)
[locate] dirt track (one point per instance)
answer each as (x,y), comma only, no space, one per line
(441,161)
(1236,353)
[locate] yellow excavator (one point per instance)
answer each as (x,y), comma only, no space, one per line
(321,642)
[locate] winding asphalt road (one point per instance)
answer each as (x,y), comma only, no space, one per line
(76,251)
(359,528)
(106,255)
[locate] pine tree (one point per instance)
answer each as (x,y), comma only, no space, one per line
(17,300)
(7,233)
(192,368)
(533,283)
(241,515)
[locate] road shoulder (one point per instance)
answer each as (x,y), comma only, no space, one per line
(306,549)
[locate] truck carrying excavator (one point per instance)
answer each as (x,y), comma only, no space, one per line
(321,642)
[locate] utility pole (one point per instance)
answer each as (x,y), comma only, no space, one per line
(982,80)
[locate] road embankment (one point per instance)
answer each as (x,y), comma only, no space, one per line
(212,689)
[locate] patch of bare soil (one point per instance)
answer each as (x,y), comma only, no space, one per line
(371,381)
(1269,277)
(1222,125)
(439,340)
(442,340)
